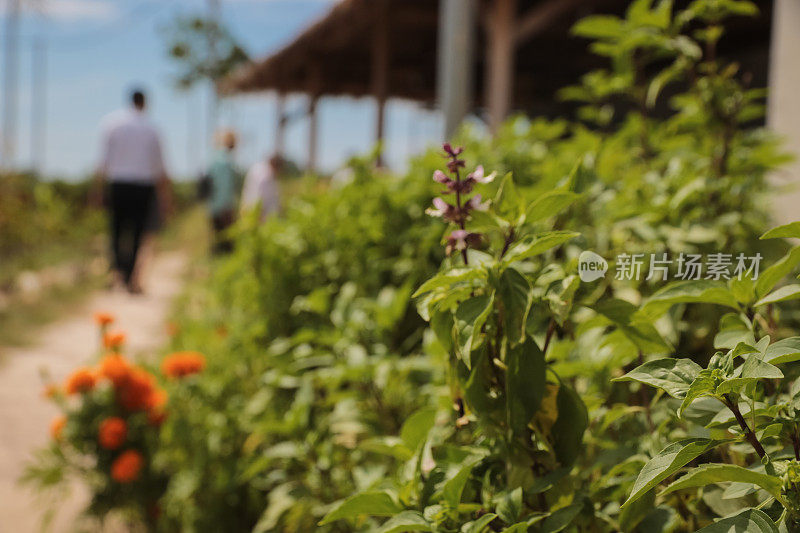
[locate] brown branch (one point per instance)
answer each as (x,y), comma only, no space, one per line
(748,433)
(551,328)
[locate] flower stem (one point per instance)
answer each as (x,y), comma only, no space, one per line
(748,433)
(458,206)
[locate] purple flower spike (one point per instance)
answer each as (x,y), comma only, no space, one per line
(475,203)
(454,164)
(440,209)
(478,176)
(461,239)
(452,152)
(440,177)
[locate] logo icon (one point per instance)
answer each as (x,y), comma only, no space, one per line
(591,266)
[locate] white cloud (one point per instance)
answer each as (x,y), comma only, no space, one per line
(68,10)
(80,9)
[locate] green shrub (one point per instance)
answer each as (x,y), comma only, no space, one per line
(506,394)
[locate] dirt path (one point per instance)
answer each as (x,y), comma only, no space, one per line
(60,347)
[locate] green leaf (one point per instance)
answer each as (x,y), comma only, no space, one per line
(703,385)
(756,368)
(549,204)
(787,231)
(743,289)
(783,351)
(733,329)
(442,322)
(568,429)
(525,383)
(470,317)
(561,518)
(537,244)
(667,462)
(752,370)
(789,292)
(631,515)
(446,279)
(508,202)
(477,388)
(694,291)
(749,520)
(560,300)
(637,329)
(718,473)
(771,276)
(480,525)
(373,503)
(453,487)
(406,521)
(599,27)
(387,445)
(673,376)
(417,426)
(510,506)
(515,292)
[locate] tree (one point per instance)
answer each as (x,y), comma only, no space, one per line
(204,49)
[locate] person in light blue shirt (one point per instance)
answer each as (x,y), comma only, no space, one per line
(224,188)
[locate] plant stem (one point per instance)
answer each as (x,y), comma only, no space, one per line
(796,443)
(508,241)
(551,328)
(461,223)
(748,433)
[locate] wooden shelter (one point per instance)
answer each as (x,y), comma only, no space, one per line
(493,56)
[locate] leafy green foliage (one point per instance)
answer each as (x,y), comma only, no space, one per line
(374,369)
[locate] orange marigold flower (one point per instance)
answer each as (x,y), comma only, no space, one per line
(103,319)
(57,427)
(180,364)
(127,466)
(113,432)
(115,368)
(82,380)
(134,394)
(155,407)
(114,340)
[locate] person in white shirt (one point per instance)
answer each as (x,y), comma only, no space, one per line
(261,187)
(138,188)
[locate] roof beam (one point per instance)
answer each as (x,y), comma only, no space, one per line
(543,15)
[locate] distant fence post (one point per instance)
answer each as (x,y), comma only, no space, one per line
(455,80)
(784,106)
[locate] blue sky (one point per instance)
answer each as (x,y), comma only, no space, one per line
(97,49)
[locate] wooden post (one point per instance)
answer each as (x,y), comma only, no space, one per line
(312,132)
(280,124)
(783,115)
(380,70)
(500,61)
(456,46)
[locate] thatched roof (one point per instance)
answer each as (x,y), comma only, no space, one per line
(333,56)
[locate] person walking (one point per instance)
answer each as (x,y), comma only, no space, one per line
(224,184)
(138,193)
(261,187)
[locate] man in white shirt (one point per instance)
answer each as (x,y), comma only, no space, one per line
(138,189)
(261,187)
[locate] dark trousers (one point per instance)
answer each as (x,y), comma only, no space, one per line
(220,223)
(132,207)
